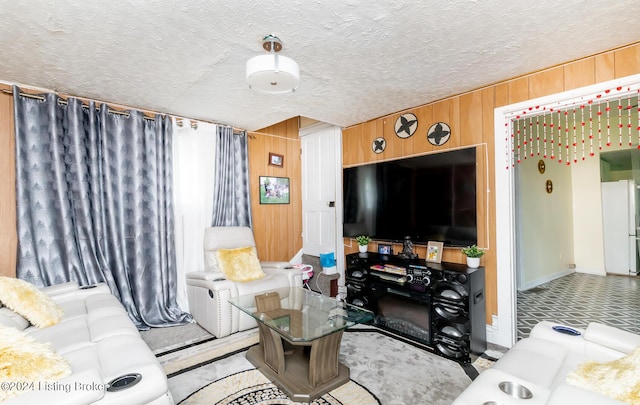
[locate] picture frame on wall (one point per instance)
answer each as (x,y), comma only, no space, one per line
(276,160)
(384,249)
(434,251)
(274,190)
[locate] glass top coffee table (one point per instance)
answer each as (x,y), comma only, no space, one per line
(300,334)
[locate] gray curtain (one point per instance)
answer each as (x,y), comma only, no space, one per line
(231,198)
(95,203)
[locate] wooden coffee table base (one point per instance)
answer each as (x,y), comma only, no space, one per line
(303,371)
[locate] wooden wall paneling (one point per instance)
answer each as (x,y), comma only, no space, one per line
(518,90)
(579,74)
(277,228)
(294,213)
(350,136)
(471,118)
(358,143)
(501,96)
(393,148)
(365,153)
(605,64)
(627,61)
(8,234)
(454,118)
(546,82)
(419,142)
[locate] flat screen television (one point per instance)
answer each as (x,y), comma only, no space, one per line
(428,198)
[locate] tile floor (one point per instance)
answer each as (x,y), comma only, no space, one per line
(577,299)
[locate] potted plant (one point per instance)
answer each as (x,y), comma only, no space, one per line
(473,253)
(363,243)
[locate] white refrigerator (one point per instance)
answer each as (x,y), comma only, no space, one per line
(620,227)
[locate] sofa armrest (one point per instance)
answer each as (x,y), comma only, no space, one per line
(544,330)
(568,394)
(275,265)
(205,275)
(210,280)
(294,275)
(612,338)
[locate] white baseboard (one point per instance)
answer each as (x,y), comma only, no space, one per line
(597,272)
(545,279)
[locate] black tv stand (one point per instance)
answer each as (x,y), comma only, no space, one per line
(439,305)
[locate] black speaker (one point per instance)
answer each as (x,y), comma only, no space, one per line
(458,313)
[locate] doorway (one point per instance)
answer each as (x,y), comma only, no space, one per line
(505,192)
(321,192)
(620,177)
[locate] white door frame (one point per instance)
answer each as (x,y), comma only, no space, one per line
(504,328)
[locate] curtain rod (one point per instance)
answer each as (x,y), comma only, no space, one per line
(64,102)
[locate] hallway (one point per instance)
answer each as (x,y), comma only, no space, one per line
(577,299)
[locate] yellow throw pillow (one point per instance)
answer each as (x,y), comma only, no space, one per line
(28,301)
(618,379)
(240,264)
(25,361)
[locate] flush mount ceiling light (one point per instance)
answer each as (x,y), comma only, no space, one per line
(272,73)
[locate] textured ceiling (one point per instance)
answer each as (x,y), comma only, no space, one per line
(358,59)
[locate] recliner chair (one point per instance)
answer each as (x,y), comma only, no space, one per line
(209,291)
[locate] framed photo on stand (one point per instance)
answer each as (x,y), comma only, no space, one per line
(434,251)
(384,249)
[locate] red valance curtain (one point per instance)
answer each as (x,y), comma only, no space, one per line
(569,132)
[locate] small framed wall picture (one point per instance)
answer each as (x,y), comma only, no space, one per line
(384,249)
(434,251)
(274,190)
(276,160)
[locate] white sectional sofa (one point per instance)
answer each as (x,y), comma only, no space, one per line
(549,367)
(101,345)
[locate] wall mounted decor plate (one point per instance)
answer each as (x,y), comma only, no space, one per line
(379,145)
(541,166)
(439,134)
(406,125)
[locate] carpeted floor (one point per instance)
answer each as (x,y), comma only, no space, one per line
(393,371)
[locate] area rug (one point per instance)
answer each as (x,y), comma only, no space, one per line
(250,387)
(389,370)
(198,354)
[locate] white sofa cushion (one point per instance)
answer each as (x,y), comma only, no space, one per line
(543,361)
(12,319)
